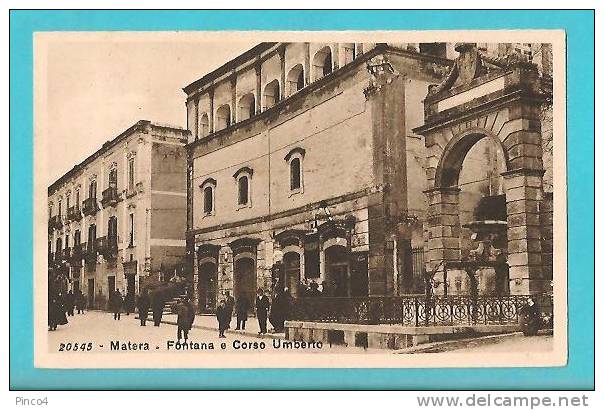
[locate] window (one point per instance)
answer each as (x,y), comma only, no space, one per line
(131,232)
(322,63)
(223,117)
(208,191)
(91,238)
(243,189)
(68,200)
(295,160)
(77,238)
(243,177)
(113,178)
(204,126)
(295,79)
(60,209)
(50,211)
(112,231)
(77,198)
(92,189)
(294,174)
(67,242)
(348,53)
(271,94)
(131,172)
(247,107)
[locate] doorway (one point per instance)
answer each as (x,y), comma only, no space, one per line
(244,285)
(337,270)
(208,278)
(359,279)
(291,262)
(90,293)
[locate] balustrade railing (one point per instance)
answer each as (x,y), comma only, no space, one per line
(414,310)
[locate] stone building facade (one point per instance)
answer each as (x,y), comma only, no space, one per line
(309,162)
(118,219)
(303,166)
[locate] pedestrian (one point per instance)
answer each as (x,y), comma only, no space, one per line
(143,307)
(129,303)
(116,301)
(56,312)
(69,303)
(185,317)
(229,304)
(242,306)
(157,304)
(80,301)
(222,317)
(262,307)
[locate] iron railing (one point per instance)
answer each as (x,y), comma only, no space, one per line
(414,310)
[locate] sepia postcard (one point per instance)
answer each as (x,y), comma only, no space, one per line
(300,199)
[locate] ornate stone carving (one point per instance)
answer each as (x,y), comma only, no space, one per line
(381,73)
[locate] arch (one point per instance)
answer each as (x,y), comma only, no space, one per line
(223,117)
(295,79)
(207,284)
(322,63)
(337,270)
(453,155)
(204,125)
(292,269)
(271,94)
(244,278)
(247,107)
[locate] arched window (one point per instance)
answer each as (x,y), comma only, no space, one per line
(113,176)
(243,178)
(247,107)
(204,125)
(271,94)
(60,209)
(295,160)
(295,79)
(208,190)
(92,189)
(347,53)
(322,63)
(223,117)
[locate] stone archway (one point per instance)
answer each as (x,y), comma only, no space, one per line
(487,98)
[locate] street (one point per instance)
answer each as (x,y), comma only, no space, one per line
(106,334)
(516,343)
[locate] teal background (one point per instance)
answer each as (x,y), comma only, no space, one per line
(578,374)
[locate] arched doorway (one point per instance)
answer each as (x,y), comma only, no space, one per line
(244,279)
(337,269)
(291,266)
(206,287)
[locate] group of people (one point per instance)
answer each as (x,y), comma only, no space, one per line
(276,313)
(62,305)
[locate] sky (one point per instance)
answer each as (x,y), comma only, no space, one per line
(99,86)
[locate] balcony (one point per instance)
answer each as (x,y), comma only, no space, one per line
(107,246)
(110,197)
(133,190)
(55,222)
(90,206)
(74,213)
(77,253)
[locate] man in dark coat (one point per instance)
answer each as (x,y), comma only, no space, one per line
(116,303)
(69,303)
(80,301)
(143,307)
(222,317)
(242,307)
(129,303)
(186,316)
(262,307)
(229,304)
(157,304)
(56,312)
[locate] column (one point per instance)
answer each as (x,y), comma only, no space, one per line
(524,192)
(211,113)
(306,63)
(443,231)
(282,61)
(258,87)
(195,295)
(234,98)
